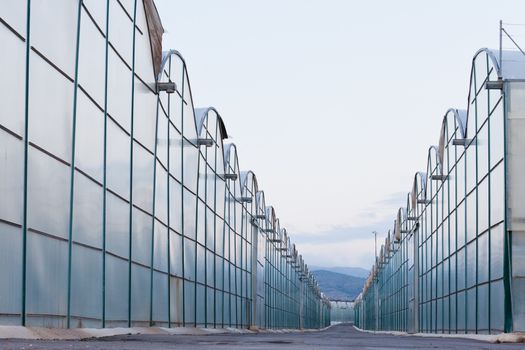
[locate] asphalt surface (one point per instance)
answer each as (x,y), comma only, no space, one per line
(337,337)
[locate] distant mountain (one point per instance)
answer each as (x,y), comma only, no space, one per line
(350,271)
(338,286)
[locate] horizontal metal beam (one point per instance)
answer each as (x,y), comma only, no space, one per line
(438,177)
(494,85)
(168,87)
(205,142)
(461,142)
(245,199)
(232,177)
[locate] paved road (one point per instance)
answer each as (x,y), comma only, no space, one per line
(337,337)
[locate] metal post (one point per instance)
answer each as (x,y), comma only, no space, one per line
(375,245)
(507,238)
(215,237)
(182,198)
(130,250)
(205,236)
(500,46)
(168,200)
(26,156)
(196,259)
(105,163)
(72,173)
(152,248)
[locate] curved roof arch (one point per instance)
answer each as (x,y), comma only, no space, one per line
(201,116)
(249,180)
(388,245)
(398,223)
(285,238)
(457,120)
(166,55)
(293,249)
(512,66)
(408,203)
(229,149)
(422,188)
(260,203)
(165,59)
(433,160)
(231,160)
(270,217)
(433,163)
(277,229)
(493,56)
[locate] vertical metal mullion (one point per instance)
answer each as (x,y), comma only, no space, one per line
(448,228)
(105,162)
(489,232)
(235,252)
(465,239)
(431,267)
(226,246)
(196,259)
(507,235)
(26,156)
(456,228)
(182,199)
(273,295)
(442,262)
(132,141)
(477,201)
(72,173)
(168,196)
(434,264)
(243,230)
(214,174)
(223,260)
(231,232)
(233,261)
(205,156)
(266,268)
(152,248)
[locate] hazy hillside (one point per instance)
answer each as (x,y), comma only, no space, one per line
(339,286)
(350,271)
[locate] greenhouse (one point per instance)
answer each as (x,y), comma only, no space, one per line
(454,262)
(341,311)
(120,203)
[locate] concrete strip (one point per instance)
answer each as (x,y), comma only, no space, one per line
(41,333)
(491,338)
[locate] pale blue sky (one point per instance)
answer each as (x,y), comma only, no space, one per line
(333,103)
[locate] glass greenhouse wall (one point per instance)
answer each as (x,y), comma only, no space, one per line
(454,261)
(341,311)
(120,203)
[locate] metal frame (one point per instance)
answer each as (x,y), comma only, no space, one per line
(451,276)
(163,271)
